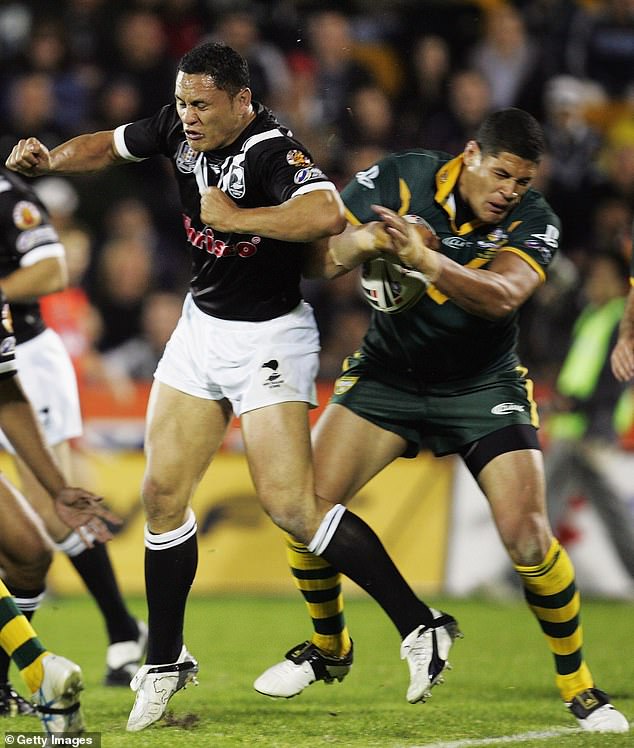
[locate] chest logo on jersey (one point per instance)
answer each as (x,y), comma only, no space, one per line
(185,158)
(236,186)
(489,246)
(206,240)
(26,215)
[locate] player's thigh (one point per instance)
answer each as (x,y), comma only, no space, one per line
(23,539)
(348,451)
(183,432)
(513,483)
(277,443)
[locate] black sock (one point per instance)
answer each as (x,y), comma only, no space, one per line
(94,567)
(169,573)
(355,550)
(25,596)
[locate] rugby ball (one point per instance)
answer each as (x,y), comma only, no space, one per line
(390,287)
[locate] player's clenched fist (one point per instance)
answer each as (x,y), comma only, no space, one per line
(29,157)
(218,210)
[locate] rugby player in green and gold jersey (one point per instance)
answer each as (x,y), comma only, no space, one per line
(438,370)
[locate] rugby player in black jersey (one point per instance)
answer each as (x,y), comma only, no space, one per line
(441,372)
(246,344)
(25,552)
(33,264)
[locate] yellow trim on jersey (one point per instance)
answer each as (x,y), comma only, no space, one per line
(438,296)
(351,218)
(632,282)
(527,258)
(405,195)
(446,180)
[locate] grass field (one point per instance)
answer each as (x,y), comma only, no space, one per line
(501,684)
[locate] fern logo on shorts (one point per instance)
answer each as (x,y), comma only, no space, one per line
(272,377)
(503,409)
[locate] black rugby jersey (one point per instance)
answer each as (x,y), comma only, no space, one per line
(234,276)
(26,238)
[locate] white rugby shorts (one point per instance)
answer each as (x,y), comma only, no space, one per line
(47,377)
(252,364)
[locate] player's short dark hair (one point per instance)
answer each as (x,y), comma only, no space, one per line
(512,131)
(227,68)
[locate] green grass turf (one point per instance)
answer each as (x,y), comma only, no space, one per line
(501,684)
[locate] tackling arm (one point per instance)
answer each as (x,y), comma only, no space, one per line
(492,294)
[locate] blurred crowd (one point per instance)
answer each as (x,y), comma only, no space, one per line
(353,80)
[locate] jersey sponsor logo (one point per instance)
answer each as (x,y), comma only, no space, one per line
(503,409)
(236,188)
(455,242)
(298,158)
(26,215)
(185,158)
(305,175)
(206,240)
(36,237)
(366,178)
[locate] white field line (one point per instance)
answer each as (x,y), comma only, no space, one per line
(522,737)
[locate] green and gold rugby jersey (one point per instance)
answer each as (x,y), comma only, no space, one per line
(435,341)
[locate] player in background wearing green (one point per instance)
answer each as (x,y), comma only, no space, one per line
(441,372)
(622,358)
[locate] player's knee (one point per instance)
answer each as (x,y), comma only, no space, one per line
(164,509)
(528,540)
(28,569)
(290,519)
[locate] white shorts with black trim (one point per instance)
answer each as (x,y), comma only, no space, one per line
(252,364)
(47,377)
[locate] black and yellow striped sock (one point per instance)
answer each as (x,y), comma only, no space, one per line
(320,585)
(552,595)
(19,641)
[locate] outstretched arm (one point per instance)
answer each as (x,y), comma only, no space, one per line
(622,357)
(336,255)
(83,154)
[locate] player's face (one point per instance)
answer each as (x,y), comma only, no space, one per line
(211,118)
(493,184)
